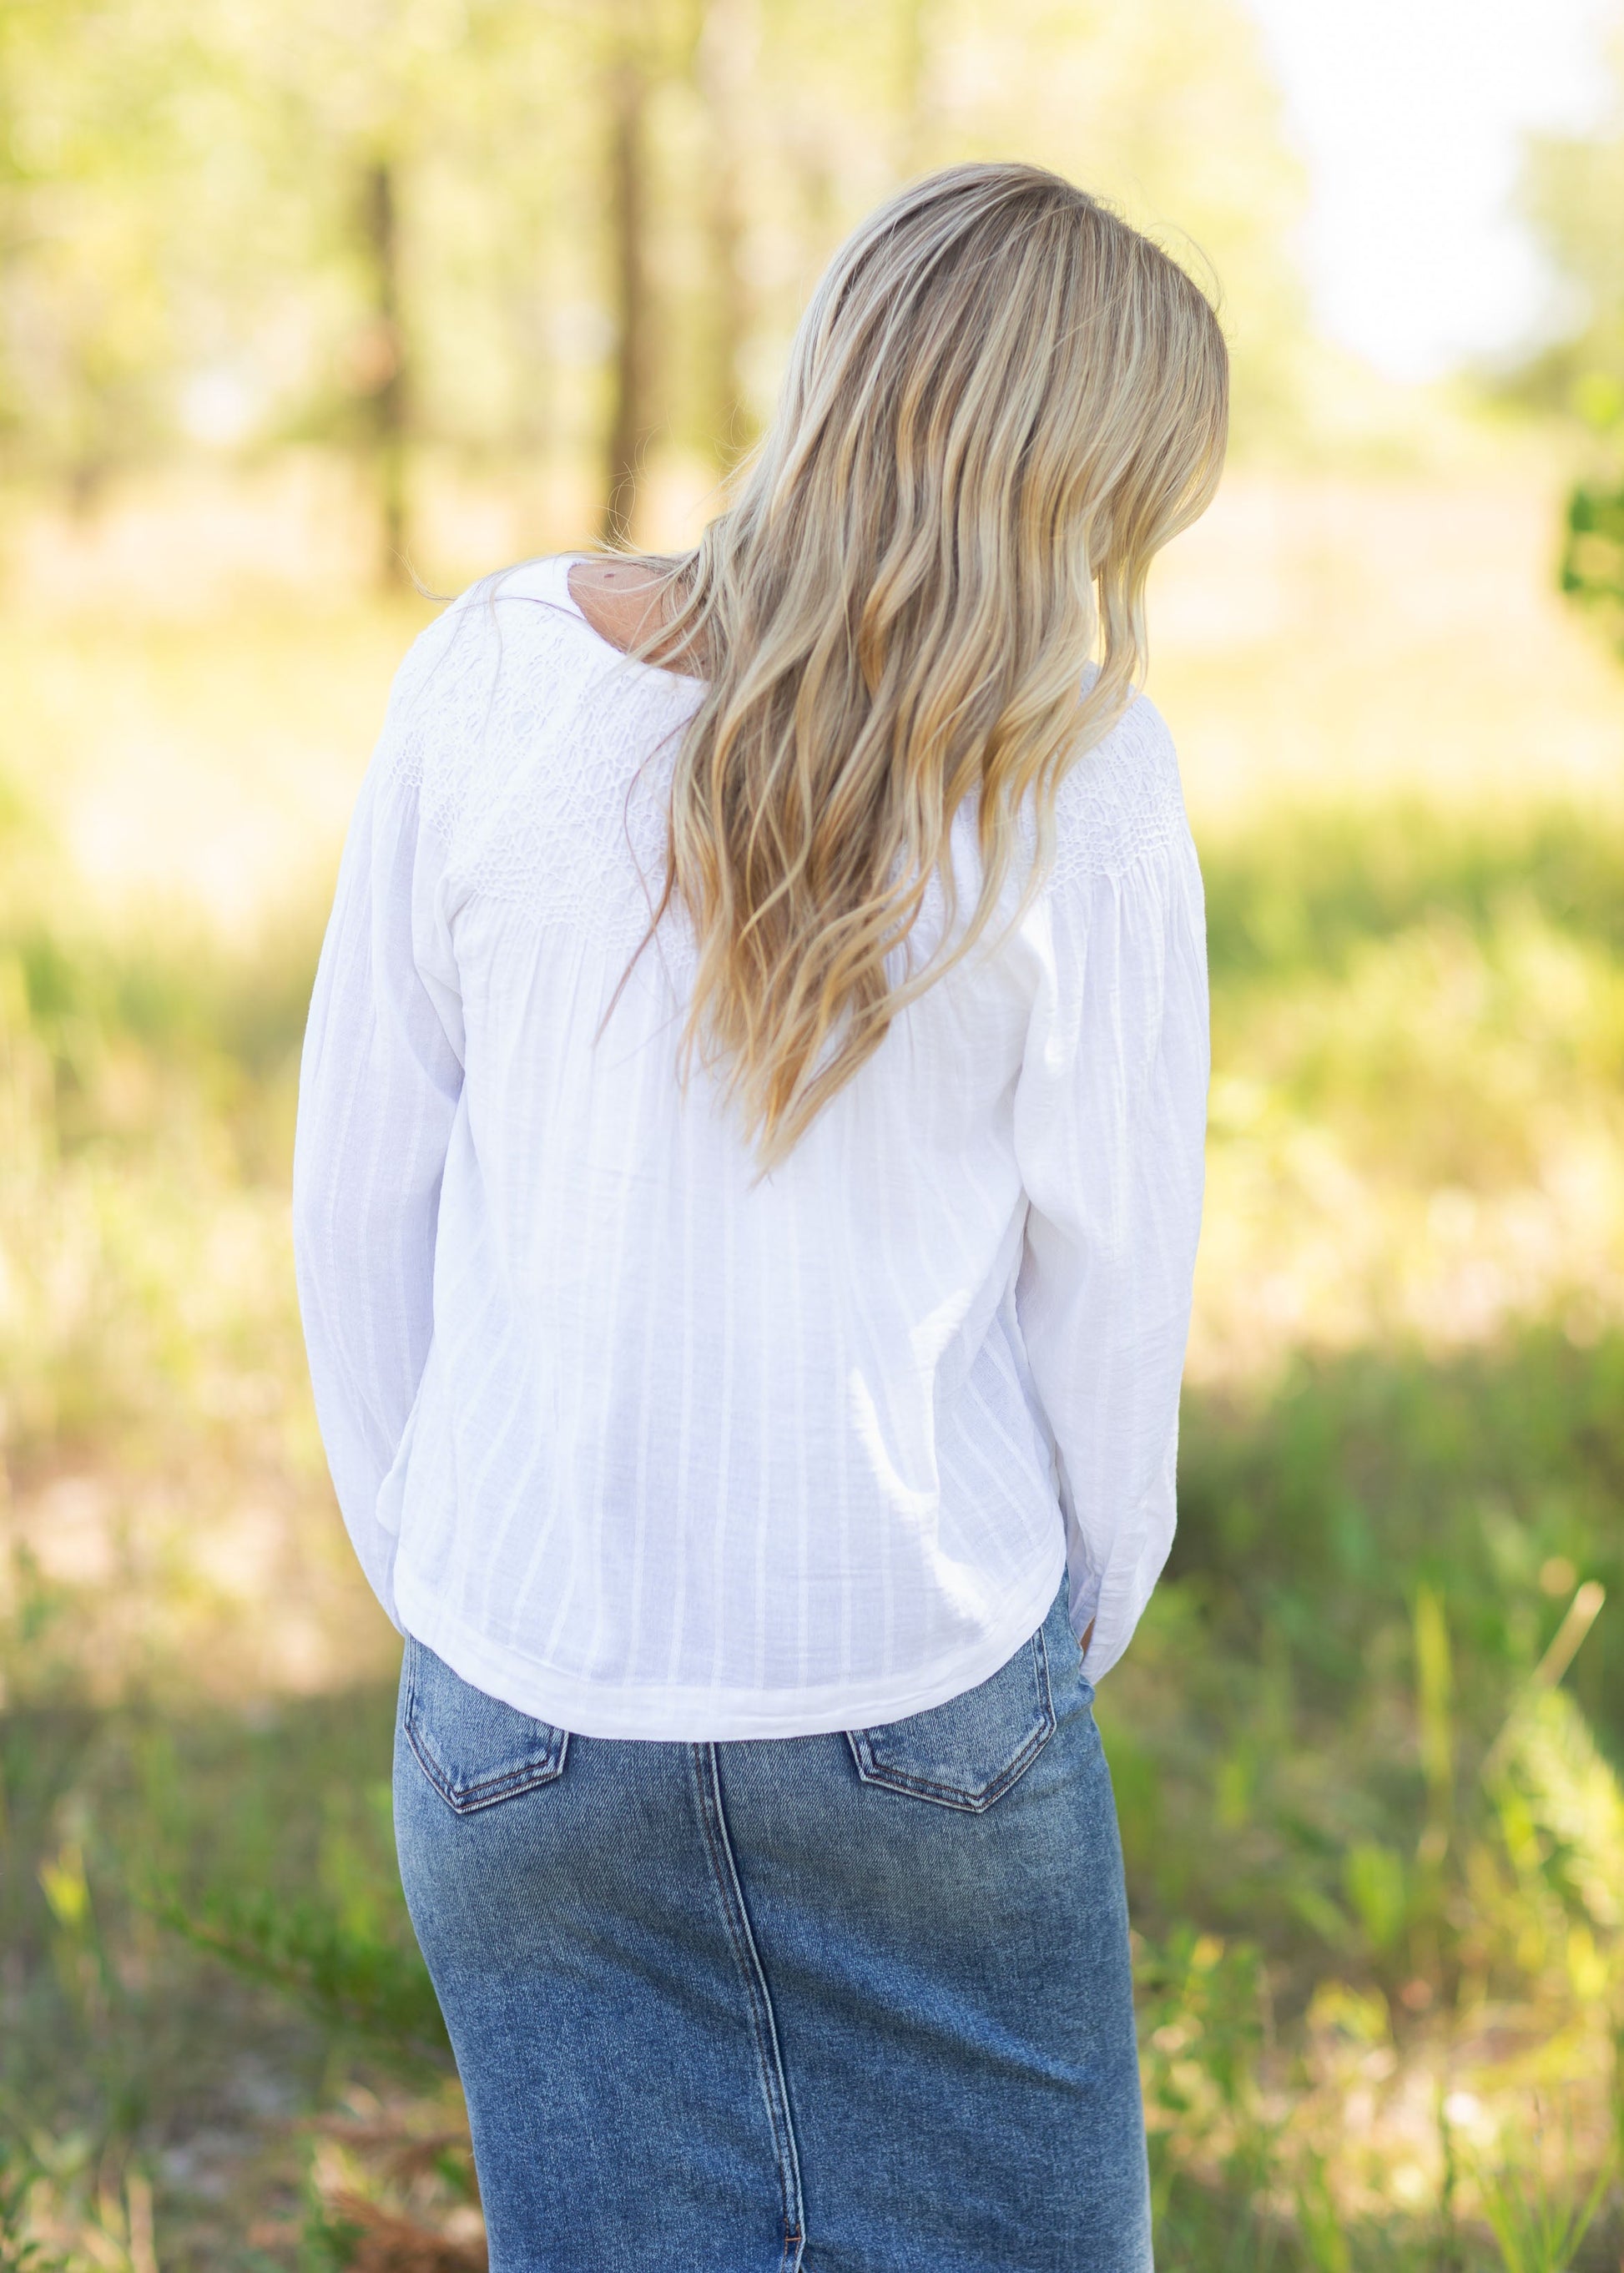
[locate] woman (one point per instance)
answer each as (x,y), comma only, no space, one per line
(748,1172)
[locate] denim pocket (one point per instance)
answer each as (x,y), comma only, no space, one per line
(473,1749)
(967,1753)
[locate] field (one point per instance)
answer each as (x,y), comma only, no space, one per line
(1367,1747)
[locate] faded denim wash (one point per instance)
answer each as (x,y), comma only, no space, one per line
(847,2004)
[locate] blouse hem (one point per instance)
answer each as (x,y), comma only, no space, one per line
(691,1715)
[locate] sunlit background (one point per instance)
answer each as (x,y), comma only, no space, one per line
(308,312)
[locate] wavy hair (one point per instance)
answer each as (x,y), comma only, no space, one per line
(1001,402)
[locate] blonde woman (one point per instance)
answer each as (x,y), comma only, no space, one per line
(749,1171)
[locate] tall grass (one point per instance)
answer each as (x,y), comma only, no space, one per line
(1366,1748)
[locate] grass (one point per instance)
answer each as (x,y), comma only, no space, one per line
(143,1846)
(1366,1747)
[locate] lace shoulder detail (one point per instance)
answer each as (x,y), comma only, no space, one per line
(1121,802)
(538,757)
(451,696)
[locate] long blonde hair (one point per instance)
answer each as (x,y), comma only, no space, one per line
(1000,402)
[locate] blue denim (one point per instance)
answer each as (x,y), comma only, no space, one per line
(851,2003)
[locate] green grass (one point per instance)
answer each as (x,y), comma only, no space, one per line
(1376,1865)
(1301,892)
(1280,1788)
(127,2039)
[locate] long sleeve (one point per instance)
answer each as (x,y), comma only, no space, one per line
(378,1087)
(1109,1126)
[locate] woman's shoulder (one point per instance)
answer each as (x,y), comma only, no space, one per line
(495,667)
(514,729)
(517,613)
(469,626)
(1121,802)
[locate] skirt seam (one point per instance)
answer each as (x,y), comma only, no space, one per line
(763,2029)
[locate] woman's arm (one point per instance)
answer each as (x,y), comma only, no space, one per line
(1110,1122)
(378,1088)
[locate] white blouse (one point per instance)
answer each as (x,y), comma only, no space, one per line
(641,1441)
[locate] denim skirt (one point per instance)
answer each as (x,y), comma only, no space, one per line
(852,2003)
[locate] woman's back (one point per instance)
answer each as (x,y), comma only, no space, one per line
(641,1439)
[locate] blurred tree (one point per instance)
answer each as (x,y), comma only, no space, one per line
(432,230)
(386,390)
(1572,189)
(349,110)
(1168,108)
(632,411)
(727,52)
(91,125)
(649,50)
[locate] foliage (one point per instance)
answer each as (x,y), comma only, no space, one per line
(369,1980)
(394,226)
(1304,890)
(1573,190)
(1540,2229)
(1592,567)
(1375,1550)
(21,2250)
(1372,1812)
(1370,1798)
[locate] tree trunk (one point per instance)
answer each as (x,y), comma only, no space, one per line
(631,378)
(385,396)
(727,54)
